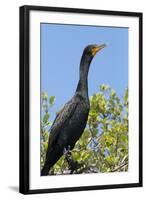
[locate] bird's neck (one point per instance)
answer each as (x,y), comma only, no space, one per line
(83,81)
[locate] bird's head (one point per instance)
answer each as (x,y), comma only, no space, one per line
(88,54)
(92,49)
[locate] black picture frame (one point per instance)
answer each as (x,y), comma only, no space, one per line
(24,98)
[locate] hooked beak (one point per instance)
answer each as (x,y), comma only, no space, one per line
(97,48)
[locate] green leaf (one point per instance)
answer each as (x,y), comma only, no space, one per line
(44,96)
(51,100)
(46,117)
(104,87)
(45,146)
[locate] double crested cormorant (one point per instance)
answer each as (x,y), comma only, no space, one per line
(70,122)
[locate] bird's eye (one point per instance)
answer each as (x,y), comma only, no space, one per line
(90,52)
(94,51)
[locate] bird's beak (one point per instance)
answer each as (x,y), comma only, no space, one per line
(97,48)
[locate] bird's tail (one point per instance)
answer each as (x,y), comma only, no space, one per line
(52,157)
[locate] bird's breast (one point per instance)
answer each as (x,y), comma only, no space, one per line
(77,124)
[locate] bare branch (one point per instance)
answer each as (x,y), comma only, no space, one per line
(119,167)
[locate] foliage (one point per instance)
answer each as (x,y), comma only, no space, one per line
(103,147)
(45,123)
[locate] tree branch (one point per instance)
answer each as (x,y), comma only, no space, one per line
(119,167)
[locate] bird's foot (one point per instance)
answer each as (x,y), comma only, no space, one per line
(66,150)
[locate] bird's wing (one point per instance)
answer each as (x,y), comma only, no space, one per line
(61,119)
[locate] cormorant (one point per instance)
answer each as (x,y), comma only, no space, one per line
(70,122)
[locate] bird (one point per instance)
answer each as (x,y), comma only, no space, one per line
(71,120)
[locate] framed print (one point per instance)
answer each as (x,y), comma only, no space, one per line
(80,99)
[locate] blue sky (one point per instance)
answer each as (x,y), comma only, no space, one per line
(61,50)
